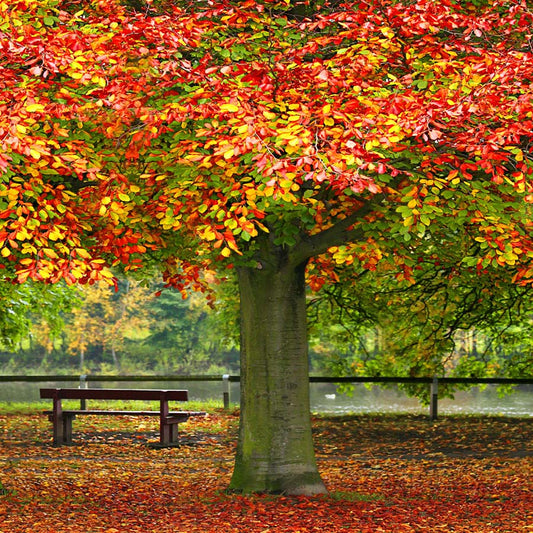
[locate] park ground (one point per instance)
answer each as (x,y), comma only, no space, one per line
(385,474)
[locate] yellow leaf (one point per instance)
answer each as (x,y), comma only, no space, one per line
(231,223)
(45,272)
(234,247)
(286,136)
(371,144)
(77,272)
(5,252)
(83,253)
(226,252)
(98,80)
(124,197)
(232,108)
(209,235)
(105,273)
(387,32)
(33,108)
(50,253)
(229,153)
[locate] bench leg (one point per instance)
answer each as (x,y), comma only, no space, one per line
(67,428)
(174,433)
(168,427)
(168,434)
(62,426)
(58,427)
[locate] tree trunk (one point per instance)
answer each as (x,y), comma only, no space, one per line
(275,451)
(116,362)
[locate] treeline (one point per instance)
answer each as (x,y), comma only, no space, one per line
(461,329)
(95,328)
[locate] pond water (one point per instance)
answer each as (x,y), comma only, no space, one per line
(324,397)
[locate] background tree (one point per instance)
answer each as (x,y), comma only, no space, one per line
(125,316)
(128,331)
(188,334)
(106,321)
(279,140)
(22,307)
(88,322)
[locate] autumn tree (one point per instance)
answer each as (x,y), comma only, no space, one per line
(106,320)
(277,140)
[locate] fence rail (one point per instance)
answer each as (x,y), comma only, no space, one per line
(226,379)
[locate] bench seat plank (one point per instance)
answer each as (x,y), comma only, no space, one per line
(184,414)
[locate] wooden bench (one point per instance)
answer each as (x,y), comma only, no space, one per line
(168,420)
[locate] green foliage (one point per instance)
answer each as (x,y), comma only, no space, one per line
(449,322)
(183,334)
(347,496)
(24,305)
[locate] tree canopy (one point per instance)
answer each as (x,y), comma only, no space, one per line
(194,133)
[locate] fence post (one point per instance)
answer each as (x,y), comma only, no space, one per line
(434,399)
(225,394)
(83,385)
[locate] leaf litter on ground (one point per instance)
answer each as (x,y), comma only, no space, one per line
(385,474)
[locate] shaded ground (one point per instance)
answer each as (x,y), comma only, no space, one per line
(413,437)
(385,474)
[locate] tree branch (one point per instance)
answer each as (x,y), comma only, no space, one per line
(342,232)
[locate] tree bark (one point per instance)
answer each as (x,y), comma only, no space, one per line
(275,451)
